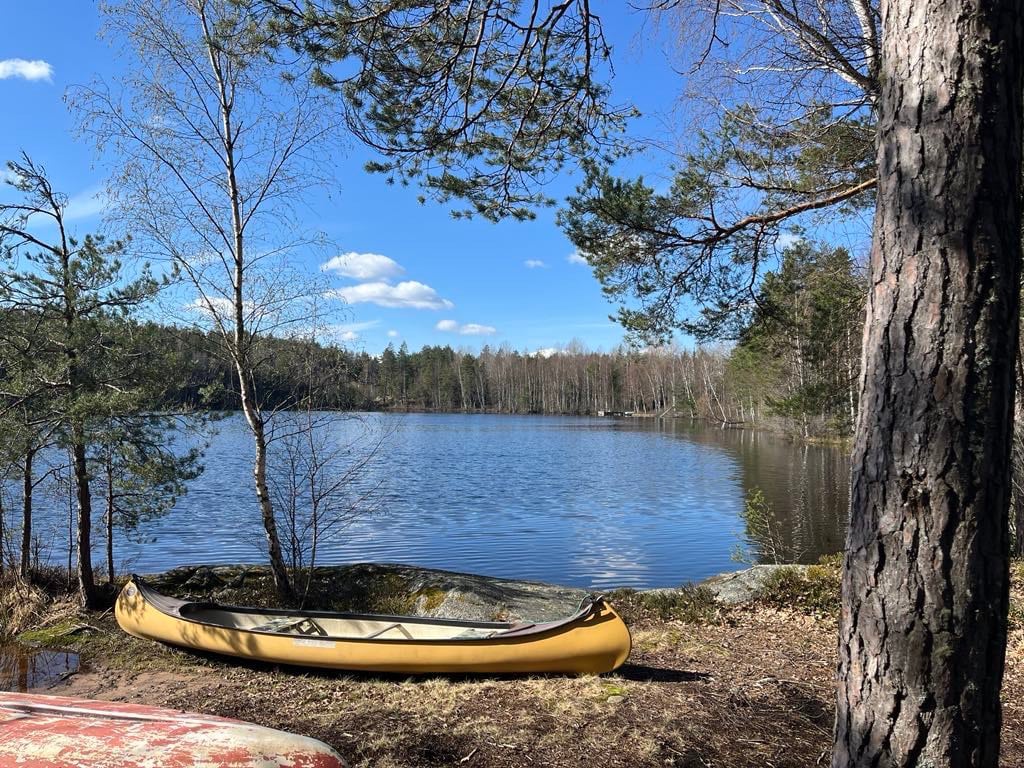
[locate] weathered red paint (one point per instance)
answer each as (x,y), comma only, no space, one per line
(60,732)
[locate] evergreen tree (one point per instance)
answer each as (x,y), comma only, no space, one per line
(76,294)
(803,336)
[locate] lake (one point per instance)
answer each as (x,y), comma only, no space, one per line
(591,502)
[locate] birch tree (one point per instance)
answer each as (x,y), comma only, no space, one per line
(216,140)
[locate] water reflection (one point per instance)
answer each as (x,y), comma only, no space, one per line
(22,669)
(806,486)
(581,501)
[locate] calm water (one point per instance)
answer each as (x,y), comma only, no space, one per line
(22,669)
(581,501)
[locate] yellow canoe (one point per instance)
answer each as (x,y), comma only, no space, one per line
(592,641)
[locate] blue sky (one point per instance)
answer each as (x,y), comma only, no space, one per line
(511,282)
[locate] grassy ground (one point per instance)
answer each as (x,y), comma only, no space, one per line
(705,686)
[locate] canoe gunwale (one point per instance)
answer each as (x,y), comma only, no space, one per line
(175,608)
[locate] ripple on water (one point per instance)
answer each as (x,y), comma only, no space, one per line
(586,502)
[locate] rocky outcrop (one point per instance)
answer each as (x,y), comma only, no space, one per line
(744,586)
(405,589)
(387,588)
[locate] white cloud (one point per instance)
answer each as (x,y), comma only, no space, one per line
(576,258)
(392,334)
(37,69)
(214,306)
(409,294)
(548,351)
(534,264)
(787,239)
(349,331)
(364,266)
(86,204)
(468,329)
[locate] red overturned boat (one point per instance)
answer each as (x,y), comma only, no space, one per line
(59,732)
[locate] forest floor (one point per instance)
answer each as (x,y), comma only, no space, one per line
(706,685)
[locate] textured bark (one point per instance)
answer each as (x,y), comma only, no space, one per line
(86,583)
(108,519)
(27,485)
(925,590)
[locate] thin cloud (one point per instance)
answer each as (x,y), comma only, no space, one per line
(36,69)
(534,264)
(364,266)
(86,204)
(788,239)
(576,258)
(350,331)
(467,329)
(393,334)
(409,294)
(216,306)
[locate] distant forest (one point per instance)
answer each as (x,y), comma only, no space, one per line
(792,366)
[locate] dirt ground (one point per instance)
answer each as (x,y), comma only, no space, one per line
(749,686)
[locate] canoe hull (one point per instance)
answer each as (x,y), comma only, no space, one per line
(596,643)
(61,732)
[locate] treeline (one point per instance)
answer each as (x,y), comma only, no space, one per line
(793,367)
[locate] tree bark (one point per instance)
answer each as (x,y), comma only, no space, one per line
(109,520)
(86,584)
(28,483)
(925,587)
(278,568)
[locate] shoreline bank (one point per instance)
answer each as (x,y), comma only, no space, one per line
(745,680)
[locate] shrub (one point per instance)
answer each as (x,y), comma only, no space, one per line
(814,589)
(689,604)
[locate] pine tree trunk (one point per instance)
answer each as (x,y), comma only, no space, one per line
(28,483)
(925,588)
(86,585)
(1017,470)
(109,520)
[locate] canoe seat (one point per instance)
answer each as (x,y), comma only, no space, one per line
(474,634)
(303,626)
(396,625)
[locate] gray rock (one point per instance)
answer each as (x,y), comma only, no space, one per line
(408,589)
(398,588)
(203,578)
(742,586)
(473,597)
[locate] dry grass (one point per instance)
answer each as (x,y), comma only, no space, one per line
(32,605)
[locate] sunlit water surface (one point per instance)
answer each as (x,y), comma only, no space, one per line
(592,502)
